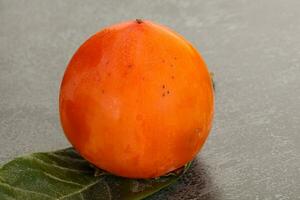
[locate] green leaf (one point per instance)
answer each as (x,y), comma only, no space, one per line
(65,175)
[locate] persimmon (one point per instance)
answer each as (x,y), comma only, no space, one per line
(137,100)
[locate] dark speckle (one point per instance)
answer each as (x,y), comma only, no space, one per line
(172,77)
(108,74)
(163,86)
(129,66)
(163,60)
(168,92)
(172,65)
(102,91)
(175,58)
(163,94)
(107,62)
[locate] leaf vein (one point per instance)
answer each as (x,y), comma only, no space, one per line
(55,177)
(57,166)
(26,191)
(79,191)
(81,196)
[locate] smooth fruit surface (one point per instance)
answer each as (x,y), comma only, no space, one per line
(137,100)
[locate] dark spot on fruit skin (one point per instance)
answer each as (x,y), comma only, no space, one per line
(168,92)
(163,94)
(172,77)
(175,58)
(163,60)
(163,86)
(129,66)
(107,62)
(108,74)
(172,65)
(102,91)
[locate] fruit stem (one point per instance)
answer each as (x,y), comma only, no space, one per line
(139,21)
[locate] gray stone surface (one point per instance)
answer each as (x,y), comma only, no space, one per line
(253,47)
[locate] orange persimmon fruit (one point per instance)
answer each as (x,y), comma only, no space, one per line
(137,100)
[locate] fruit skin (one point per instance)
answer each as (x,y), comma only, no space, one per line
(137,100)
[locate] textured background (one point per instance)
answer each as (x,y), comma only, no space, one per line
(253,47)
